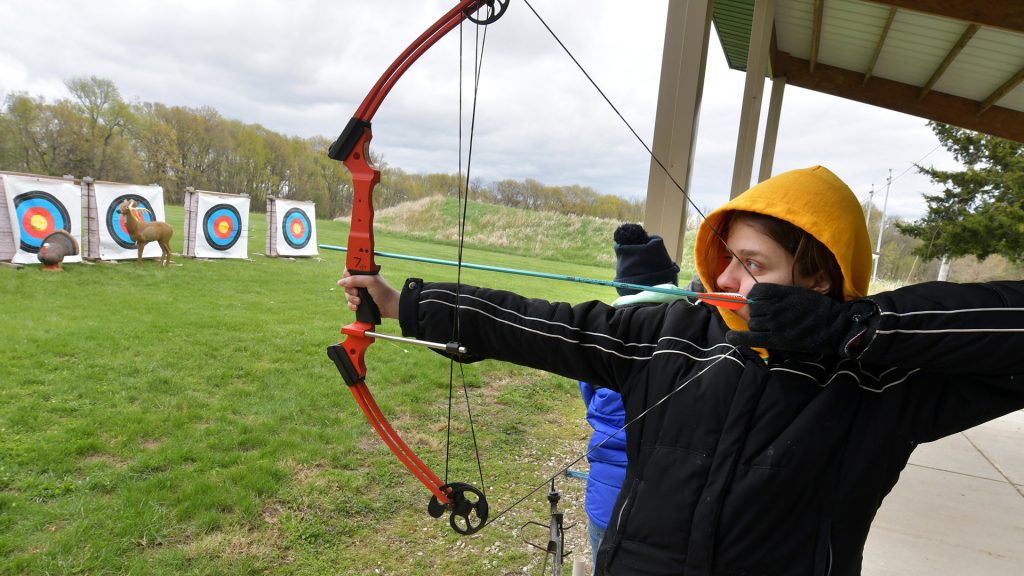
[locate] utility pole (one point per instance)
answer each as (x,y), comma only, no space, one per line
(867,217)
(881,228)
(944,269)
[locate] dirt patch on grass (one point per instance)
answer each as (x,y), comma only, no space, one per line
(271,513)
(236,543)
(109,459)
(306,473)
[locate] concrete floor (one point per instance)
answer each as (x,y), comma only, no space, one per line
(957,509)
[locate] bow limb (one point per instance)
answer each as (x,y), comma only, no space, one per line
(352,147)
(466,505)
(353,349)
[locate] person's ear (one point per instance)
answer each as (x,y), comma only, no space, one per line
(820,283)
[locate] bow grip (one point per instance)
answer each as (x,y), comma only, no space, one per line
(367,311)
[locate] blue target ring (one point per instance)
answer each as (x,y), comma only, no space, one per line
(222,226)
(115,221)
(39,215)
(297,228)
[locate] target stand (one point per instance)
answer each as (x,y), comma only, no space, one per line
(291,228)
(216,225)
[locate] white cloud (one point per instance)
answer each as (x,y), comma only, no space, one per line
(302,67)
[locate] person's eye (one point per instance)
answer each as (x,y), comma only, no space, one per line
(753,265)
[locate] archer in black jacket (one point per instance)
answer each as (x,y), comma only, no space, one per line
(763,440)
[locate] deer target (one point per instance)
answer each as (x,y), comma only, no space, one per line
(296,228)
(222,226)
(39,215)
(115,221)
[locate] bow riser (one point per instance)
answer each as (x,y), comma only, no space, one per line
(360,237)
(365,178)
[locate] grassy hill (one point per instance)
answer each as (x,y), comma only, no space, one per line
(542,235)
(187,420)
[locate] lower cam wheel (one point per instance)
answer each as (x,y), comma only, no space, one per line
(467,507)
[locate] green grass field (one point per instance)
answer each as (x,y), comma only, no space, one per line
(188,421)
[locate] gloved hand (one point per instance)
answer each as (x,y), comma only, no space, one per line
(797,319)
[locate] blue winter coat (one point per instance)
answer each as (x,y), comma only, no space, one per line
(606,415)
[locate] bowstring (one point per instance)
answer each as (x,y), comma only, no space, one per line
(480,42)
(650,152)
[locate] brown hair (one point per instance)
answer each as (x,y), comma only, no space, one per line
(810,256)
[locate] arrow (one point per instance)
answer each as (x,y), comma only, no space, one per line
(726,300)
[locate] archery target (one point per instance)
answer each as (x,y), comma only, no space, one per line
(39,215)
(38,207)
(224,225)
(296,228)
(115,243)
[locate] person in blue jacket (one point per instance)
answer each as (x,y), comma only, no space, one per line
(640,259)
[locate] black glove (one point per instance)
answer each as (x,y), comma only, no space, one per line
(796,319)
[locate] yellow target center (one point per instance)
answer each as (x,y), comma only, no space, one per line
(223,227)
(38,222)
(296,228)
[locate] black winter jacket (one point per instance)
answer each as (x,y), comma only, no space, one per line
(742,466)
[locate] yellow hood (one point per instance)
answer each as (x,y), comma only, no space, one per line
(813,199)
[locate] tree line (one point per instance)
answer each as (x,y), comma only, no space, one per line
(97,133)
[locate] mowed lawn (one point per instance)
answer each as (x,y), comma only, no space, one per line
(188,421)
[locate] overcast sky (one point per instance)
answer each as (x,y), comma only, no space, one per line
(301,68)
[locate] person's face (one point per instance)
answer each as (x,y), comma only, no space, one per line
(766,260)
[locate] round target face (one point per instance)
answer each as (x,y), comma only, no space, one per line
(115,222)
(39,215)
(222,226)
(296,227)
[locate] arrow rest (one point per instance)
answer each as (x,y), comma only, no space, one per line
(465,503)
